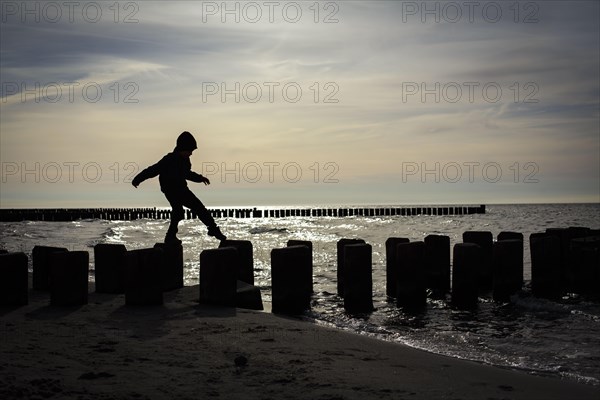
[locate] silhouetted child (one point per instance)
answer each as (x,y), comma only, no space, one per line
(174,170)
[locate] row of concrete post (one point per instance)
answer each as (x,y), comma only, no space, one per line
(562,260)
(127,214)
(226,275)
(143,275)
(565,260)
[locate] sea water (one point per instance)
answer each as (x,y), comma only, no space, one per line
(560,338)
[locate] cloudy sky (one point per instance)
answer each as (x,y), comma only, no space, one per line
(380,102)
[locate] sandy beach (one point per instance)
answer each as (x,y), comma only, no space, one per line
(184,350)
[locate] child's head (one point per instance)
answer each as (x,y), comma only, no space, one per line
(186,144)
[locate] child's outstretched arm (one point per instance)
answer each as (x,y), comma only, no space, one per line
(148,173)
(194,177)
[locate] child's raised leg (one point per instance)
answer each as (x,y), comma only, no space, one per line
(196,206)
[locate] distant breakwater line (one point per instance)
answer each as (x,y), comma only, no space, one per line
(128,214)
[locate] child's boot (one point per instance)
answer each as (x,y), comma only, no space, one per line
(216,232)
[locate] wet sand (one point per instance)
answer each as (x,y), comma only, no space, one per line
(183,350)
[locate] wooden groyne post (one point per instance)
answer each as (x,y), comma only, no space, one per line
(545,265)
(358,278)
(341,261)
(411,275)
(437,264)
(129,214)
(508,268)
(466,260)
(391,265)
(307,243)
(485,240)
(585,263)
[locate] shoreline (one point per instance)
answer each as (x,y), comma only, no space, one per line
(184,350)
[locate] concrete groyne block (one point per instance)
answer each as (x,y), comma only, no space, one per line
(110,263)
(248,296)
(143,277)
(41,265)
(411,291)
(172,268)
(391,265)
(505,235)
(485,240)
(245,264)
(14,280)
(585,262)
(358,278)
(508,269)
(573,271)
(508,235)
(219,275)
(545,265)
(341,245)
(290,271)
(565,236)
(466,260)
(69,271)
(308,244)
(563,255)
(437,263)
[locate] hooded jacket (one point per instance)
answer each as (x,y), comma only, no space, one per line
(173,170)
(186,141)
